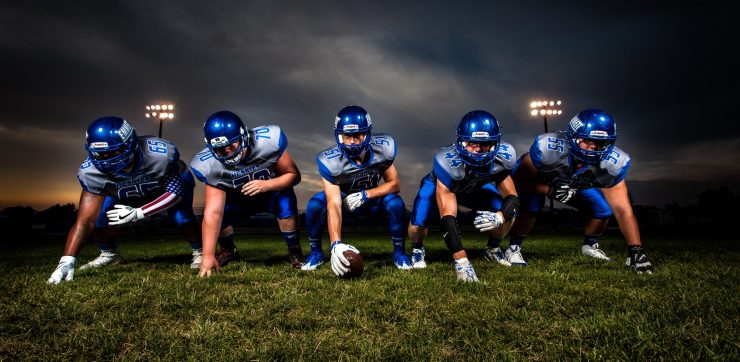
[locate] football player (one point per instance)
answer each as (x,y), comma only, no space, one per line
(581,168)
(124,179)
(473,172)
(246,171)
(351,171)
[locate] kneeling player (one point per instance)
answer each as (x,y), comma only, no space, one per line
(127,178)
(583,169)
(351,171)
(464,174)
(245,172)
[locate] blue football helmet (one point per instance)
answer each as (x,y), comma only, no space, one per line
(478,127)
(353,120)
(223,129)
(596,126)
(111,144)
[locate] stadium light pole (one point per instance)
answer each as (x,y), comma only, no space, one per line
(162,112)
(544,109)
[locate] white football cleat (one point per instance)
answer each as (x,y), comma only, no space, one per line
(594,252)
(417,258)
(514,256)
(495,254)
(197,259)
(465,271)
(106,257)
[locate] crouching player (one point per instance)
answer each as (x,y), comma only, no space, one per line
(351,172)
(124,179)
(245,172)
(580,168)
(473,172)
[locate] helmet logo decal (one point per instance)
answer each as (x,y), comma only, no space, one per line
(598,134)
(350,127)
(575,123)
(219,141)
(99,145)
(125,131)
(479,134)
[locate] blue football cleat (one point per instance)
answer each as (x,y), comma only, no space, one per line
(402,261)
(313,261)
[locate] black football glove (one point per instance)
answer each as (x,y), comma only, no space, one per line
(638,262)
(562,193)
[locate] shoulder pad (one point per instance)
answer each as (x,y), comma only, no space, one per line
(448,166)
(330,162)
(205,167)
(384,146)
(548,149)
(617,164)
(266,141)
(90,178)
(506,155)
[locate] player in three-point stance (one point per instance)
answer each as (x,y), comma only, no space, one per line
(245,171)
(473,172)
(351,172)
(124,179)
(583,169)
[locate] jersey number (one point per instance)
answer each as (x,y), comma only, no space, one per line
(503,151)
(263,174)
(333,153)
(156,146)
(555,144)
(139,190)
(454,160)
(364,183)
(258,133)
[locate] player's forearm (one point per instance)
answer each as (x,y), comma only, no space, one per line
(77,235)
(211,229)
(284,181)
(629,227)
(383,190)
(162,203)
(334,221)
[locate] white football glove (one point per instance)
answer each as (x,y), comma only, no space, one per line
(562,193)
(340,264)
(121,214)
(487,220)
(353,201)
(65,270)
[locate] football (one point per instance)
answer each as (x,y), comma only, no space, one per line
(356,265)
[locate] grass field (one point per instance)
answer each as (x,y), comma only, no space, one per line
(561,307)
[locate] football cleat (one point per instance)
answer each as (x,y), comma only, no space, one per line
(197,259)
(295,255)
(594,252)
(402,261)
(226,256)
(417,258)
(106,257)
(514,256)
(495,254)
(465,271)
(313,261)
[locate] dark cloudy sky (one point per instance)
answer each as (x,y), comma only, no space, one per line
(667,72)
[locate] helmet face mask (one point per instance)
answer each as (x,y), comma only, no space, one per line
(353,123)
(591,136)
(481,129)
(111,144)
(226,137)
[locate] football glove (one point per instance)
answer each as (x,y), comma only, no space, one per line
(340,264)
(353,201)
(65,270)
(487,220)
(562,193)
(638,262)
(122,214)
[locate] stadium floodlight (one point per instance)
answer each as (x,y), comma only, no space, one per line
(167,114)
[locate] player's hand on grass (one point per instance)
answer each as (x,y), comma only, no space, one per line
(256,187)
(122,214)
(487,220)
(562,193)
(638,262)
(355,200)
(339,263)
(64,271)
(208,265)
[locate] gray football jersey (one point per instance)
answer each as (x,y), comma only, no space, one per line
(267,144)
(351,177)
(460,177)
(549,154)
(157,157)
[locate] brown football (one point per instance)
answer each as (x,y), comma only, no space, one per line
(356,265)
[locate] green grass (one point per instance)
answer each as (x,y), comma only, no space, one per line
(561,307)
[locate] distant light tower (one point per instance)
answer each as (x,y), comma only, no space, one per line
(161,111)
(545,109)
